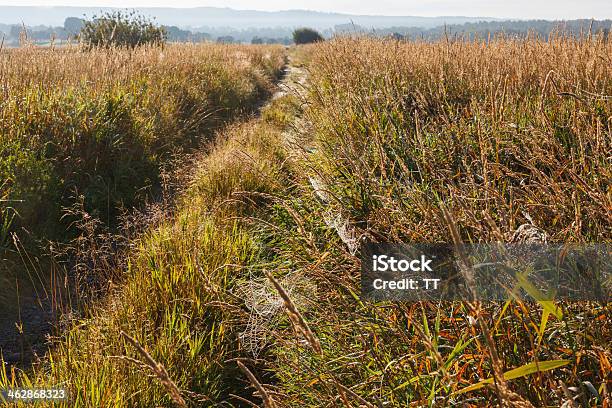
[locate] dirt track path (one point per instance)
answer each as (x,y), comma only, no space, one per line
(295,80)
(25,325)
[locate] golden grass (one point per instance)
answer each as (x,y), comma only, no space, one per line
(409,142)
(509,128)
(175,298)
(101,123)
(83,120)
(495,135)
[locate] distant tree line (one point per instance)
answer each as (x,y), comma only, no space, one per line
(284,35)
(74,27)
(484,29)
(267,40)
(273,35)
(176,34)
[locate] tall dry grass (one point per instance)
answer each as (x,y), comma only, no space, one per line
(400,142)
(100,123)
(435,142)
(167,334)
(510,129)
(86,134)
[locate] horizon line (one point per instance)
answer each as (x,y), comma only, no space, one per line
(483,17)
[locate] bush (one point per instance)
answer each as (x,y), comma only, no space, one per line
(306,36)
(124,29)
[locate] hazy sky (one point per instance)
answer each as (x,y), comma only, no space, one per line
(559,9)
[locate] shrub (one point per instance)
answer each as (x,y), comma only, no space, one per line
(124,29)
(306,36)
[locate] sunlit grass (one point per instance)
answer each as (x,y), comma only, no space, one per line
(101,123)
(392,142)
(496,134)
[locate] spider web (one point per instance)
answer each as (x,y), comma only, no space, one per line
(266,307)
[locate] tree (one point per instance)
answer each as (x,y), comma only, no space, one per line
(17,31)
(257,40)
(226,39)
(124,29)
(173,33)
(73,25)
(306,36)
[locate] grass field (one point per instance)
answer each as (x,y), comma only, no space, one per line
(410,141)
(100,124)
(88,135)
(250,280)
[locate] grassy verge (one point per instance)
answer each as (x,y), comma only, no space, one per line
(177,299)
(100,124)
(498,135)
(97,127)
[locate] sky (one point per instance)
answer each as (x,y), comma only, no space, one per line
(545,9)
